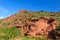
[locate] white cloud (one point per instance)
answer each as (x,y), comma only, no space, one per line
(1,17)
(3,9)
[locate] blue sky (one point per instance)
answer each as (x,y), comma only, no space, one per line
(9,7)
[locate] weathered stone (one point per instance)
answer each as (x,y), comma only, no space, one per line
(39,27)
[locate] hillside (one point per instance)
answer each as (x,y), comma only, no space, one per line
(11,27)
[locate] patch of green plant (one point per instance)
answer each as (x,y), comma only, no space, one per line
(32,38)
(9,33)
(58,27)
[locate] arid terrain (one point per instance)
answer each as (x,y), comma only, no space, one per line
(29,25)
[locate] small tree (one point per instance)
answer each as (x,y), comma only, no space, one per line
(42,10)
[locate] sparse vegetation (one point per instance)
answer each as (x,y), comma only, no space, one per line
(10,33)
(7,33)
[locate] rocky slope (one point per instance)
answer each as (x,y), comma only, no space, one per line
(35,24)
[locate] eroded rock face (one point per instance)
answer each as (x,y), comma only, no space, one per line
(5,20)
(9,18)
(39,27)
(17,23)
(42,27)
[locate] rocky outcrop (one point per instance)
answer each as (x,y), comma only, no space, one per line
(17,23)
(8,19)
(35,27)
(39,27)
(42,27)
